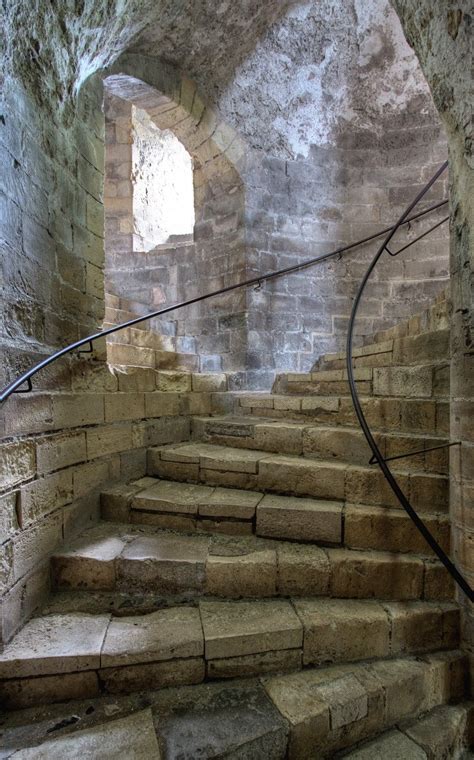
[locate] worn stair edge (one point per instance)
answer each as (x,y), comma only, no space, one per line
(115,557)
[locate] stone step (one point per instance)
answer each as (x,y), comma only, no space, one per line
(208,509)
(146,560)
(424,416)
(441,733)
(250,469)
(351,703)
(320,442)
(215,639)
(125,354)
(419,381)
(332,709)
(435,317)
(425,348)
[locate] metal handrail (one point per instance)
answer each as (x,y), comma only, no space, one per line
(15,386)
(377,455)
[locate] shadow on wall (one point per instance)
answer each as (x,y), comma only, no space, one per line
(140,276)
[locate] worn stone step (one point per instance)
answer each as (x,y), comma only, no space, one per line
(178,645)
(294,475)
(130,559)
(425,416)
(418,381)
(425,348)
(441,733)
(249,723)
(321,442)
(208,509)
(332,709)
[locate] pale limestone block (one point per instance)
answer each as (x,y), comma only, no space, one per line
(167,634)
(124,406)
(55,644)
(261,663)
(232,629)
(17,463)
(17,694)
(302,570)
(133,735)
(108,439)
(246,575)
(152,675)
(300,519)
(55,452)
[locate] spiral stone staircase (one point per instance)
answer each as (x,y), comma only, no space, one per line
(261,594)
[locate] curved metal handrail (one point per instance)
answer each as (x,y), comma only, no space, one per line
(14,386)
(377,455)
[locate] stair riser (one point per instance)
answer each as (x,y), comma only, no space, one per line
(322,443)
(307,477)
(356,528)
(124,354)
(305,642)
(397,381)
(427,417)
(263,574)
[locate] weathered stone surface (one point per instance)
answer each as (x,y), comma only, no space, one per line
(172,497)
(163,635)
(279,661)
(302,570)
(375,574)
(299,519)
(90,563)
(245,575)
(393,744)
(336,631)
(231,502)
(152,675)
(55,644)
(232,629)
(19,693)
(164,563)
(417,627)
(302,476)
(134,735)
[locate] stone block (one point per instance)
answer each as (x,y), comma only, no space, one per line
(279,437)
(209,383)
(245,575)
(90,563)
(356,574)
(416,627)
(18,694)
(124,406)
(58,451)
(230,503)
(403,381)
(177,382)
(55,644)
(108,439)
(280,661)
(164,496)
(162,404)
(44,495)
(302,570)
(233,629)
(166,634)
(337,631)
(299,519)
(136,380)
(133,734)
(77,410)
(9,512)
(35,543)
(163,564)
(91,476)
(152,675)
(17,463)
(300,476)
(393,745)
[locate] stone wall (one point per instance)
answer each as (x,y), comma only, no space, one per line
(441,35)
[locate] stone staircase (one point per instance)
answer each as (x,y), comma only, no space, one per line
(260,593)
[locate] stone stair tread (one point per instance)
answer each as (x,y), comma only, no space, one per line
(158,562)
(337,707)
(194,507)
(322,629)
(442,732)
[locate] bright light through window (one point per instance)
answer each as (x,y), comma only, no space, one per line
(162,176)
